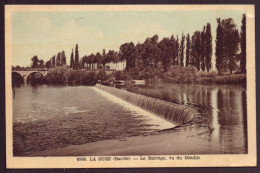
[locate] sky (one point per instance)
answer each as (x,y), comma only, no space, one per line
(46,33)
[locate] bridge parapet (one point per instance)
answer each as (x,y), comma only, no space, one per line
(31,69)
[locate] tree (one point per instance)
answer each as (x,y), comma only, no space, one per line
(76,63)
(182,50)
(177,51)
(58,60)
(127,53)
(63,58)
(153,51)
(231,43)
(116,58)
(219,46)
(91,61)
(41,63)
(196,52)
(53,63)
(35,62)
(165,53)
(202,57)
(187,50)
(243,45)
(71,59)
(208,47)
(48,64)
(104,58)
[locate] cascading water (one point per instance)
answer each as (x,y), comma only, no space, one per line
(177,114)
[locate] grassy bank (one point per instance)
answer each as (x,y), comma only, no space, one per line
(223,79)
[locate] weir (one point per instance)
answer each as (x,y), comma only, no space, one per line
(177,114)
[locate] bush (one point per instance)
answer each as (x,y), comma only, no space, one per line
(101,75)
(90,78)
(179,74)
(76,77)
(58,75)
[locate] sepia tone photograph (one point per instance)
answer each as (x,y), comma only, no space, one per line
(130,83)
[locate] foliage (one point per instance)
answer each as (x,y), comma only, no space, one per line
(58,75)
(226,45)
(101,75)
(71,59)
(76,64)
(243,45)
(182,50)
(208,47)
(178,74)
(188,50)
(90,78)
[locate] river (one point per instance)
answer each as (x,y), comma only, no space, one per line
(50,117)
(222,113)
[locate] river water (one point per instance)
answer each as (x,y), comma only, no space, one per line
(221,122)
(49,117)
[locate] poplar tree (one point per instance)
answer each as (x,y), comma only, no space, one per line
(76,64)
(188,50)
(177,46)
(53,63)
(243,45)
(71,59)
(58,60)
(202,57)
(219,46)
(231,43)
(63,58)
(208,47)
(182,50)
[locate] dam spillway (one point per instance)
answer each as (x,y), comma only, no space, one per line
(177,114)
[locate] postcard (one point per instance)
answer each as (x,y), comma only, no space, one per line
(120,86)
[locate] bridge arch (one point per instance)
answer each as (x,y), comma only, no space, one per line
(33,73)
(17,78)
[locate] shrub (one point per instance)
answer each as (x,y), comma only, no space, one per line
(58,75)
(179,74)
(90,78)
(101,75)
(75,77)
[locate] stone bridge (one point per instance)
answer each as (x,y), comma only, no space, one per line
(26,72)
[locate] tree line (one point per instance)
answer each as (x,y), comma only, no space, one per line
(189,50)
(227,45)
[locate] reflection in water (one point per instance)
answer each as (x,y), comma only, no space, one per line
(222,112)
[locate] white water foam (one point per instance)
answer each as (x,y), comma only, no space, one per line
(149,118)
